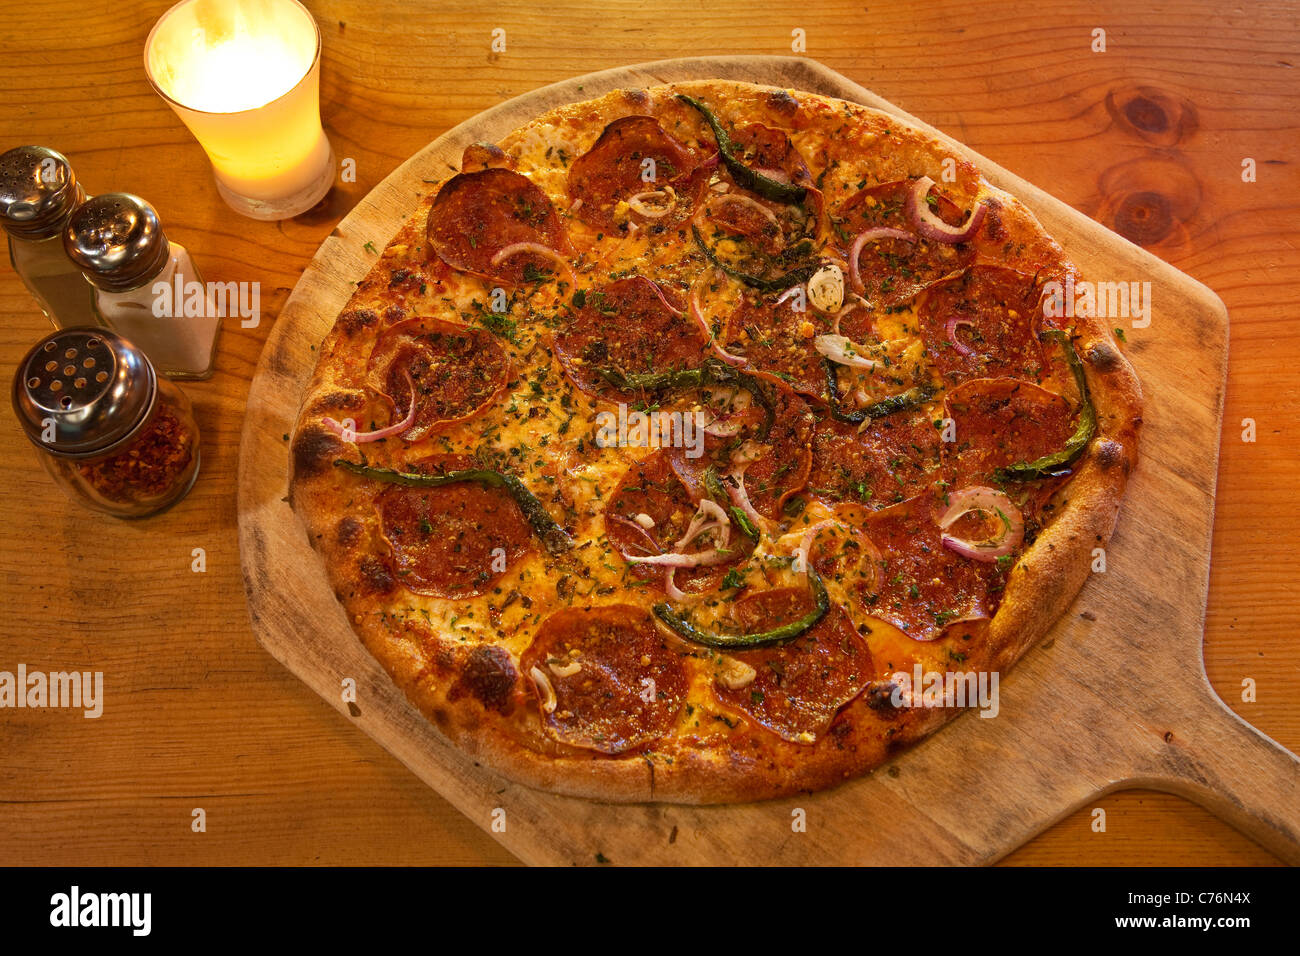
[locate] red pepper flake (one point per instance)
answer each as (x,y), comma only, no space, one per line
(150,467)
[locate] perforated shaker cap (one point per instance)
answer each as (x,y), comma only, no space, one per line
(38,191)
(92,385)
(117,242)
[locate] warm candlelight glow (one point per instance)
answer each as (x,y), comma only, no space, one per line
(244,76)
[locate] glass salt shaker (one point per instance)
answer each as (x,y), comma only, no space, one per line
(38,192)
(110,431)
(146,288)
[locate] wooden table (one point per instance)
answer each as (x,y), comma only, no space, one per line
(1148,137)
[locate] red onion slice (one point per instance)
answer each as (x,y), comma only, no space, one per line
(743,200)
(794,289)
(992,501)
(740,498)
(871,235)
(930,225)
(957,343)
(537,249)
(360,438)
(698,314)
(664,299)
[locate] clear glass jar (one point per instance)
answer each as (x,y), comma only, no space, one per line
(179,346)
(149,471)
(54,282)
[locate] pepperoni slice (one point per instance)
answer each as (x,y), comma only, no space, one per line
(476,215)
(999,422)
(994,314)
(769,151)
(627,326)
(457,371)
(653,488)
(778,467)
(782,471)
(924,586)
(445,540)
(778,340)
(892,271)
(799,686)
(617,682)
(614,169)
(893,458)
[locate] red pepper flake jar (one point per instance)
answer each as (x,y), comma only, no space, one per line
(113,433)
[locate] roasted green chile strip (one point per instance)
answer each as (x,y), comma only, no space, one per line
(711,372)
(750,179)
(1074,446)
(550,533)
(795,276)
(776,635)
(917,395)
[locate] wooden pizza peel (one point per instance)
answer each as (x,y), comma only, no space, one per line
(1115,698)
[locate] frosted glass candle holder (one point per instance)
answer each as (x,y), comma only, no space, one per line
(244,76)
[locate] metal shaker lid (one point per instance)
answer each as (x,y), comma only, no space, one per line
(116,241)
(91,385)
(38,190)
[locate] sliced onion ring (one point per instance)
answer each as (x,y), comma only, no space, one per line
(957,343)
(930,225)
(360,438)
(743,200)
(638,205)
(871,235)
(545,692)
(664,299)
(992,501)
(537,249)
(841,351)
(698,315)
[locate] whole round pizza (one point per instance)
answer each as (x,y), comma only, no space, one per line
(683,442)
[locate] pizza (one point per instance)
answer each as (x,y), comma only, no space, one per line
(675,432)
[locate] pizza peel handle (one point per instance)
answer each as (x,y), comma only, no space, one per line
(1214,758)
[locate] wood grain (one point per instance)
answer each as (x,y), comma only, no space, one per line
(198,715)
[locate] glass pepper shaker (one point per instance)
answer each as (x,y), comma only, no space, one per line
(38,192)
(110,431)
(145,287)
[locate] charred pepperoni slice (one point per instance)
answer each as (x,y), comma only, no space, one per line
(606,678)
(445,540)
(457,371)
(999,422)
(892,458)
(983,324)
(614,170)
(923,586)
(892,270)
(650,511)
(794,689)
(477,215)
(629,327)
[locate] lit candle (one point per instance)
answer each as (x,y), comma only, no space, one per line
(244,76)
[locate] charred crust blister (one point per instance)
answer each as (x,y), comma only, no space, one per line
(313,450)
(1103,357)
(489,677)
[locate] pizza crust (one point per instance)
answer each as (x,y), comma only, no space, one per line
(504,731)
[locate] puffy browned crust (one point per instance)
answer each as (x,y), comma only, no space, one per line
(489,714)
